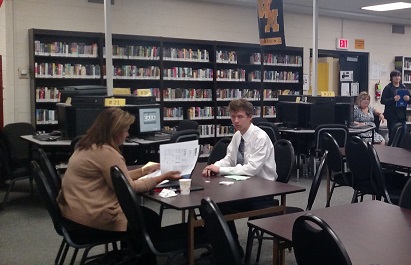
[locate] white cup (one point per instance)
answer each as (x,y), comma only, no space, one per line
(185,185)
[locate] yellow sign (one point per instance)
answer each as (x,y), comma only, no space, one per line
(327,94)
(144,92)
(359,44)
(121,91)
(114,102)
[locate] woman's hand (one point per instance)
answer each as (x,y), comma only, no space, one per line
(406,98)
(382,118)
(172,175)
(150,169)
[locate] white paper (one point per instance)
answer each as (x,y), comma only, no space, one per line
(179,156)
(345,89)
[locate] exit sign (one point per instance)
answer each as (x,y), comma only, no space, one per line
(342,44)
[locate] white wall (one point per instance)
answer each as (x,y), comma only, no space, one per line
(176,18)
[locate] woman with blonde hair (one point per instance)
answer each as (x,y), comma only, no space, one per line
(364,115)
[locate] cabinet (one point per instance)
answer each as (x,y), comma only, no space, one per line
(403,64)
(191,79)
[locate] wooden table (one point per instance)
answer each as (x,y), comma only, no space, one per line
(241,190)
(373,232)
(394,156)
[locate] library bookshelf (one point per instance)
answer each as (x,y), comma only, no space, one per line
(191,79)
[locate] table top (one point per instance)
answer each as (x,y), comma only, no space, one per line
(251,188)
(59,142)
(312,131)
(373,232)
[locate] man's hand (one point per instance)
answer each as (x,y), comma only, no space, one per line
(211,170)
(406,98)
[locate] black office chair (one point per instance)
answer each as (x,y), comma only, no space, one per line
(74,142)
(187,125)
(184,136)
(395,135)
(405,141)
(49,170)
(317,244)
(15,156)
(219,150)
(271,129)
(166,241)
(259,235)
(72,235)
(284,159)
(405,198)
(389,191)
(257,120)
(335,163)
(224,248)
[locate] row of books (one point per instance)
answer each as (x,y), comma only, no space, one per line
(132,71)
(226,57)
(224,130)
(277,59)
(230,94)
(185,94)
(407,64)
(224,112)
(183,54)
(46,116)
(231,74)
(175,113)
(198,113)
(188,73)
(269,111)
(56,70)
(64,49)
(406,78)
(47,94)
(207,130)
(281,76)
(134,52)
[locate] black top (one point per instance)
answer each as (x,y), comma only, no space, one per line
(387,98)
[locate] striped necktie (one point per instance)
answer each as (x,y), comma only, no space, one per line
(240,153)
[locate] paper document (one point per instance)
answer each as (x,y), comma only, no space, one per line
(179,156)
(237,177)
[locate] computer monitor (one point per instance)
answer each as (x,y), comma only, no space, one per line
(88,90)
(148,119)
(320,114)
(288,114)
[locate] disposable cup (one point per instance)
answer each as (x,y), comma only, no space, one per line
(185,185)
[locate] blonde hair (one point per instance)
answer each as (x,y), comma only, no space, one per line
(361,96)
(105,128)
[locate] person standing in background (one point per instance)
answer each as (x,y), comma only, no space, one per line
(390,96)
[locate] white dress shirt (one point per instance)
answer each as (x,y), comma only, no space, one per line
(258,155)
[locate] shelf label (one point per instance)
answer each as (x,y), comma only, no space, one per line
(114,102)
(327,94)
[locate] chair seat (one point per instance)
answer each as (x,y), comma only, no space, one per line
(339,179)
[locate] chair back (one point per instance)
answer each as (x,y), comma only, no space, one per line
(377,176)
(45,190)
(317,244)
(405,141)
(184,136)
(130,204)
(271,129)
(19,148)
(335,158)
(405,198)
(359,161)
(257,120)
(49,171)
(338,131)
(219,150)
(377,122)
(284,159)
(187,125)
(225,251)
(74,142)
(315,184)
(396,135)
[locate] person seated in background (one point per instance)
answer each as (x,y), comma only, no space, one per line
(87,197)
(250,153)
(364,115)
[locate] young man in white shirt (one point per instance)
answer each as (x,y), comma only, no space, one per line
(250,153)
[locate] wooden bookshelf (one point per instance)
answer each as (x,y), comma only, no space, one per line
(191,79)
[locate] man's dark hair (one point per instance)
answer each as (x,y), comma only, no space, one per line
(394,73)
(241,104)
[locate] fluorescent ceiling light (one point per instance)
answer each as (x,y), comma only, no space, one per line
(388,7)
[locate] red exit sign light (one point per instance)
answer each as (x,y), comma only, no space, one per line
(342,44)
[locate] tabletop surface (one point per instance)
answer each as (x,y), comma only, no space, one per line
(394,155)
(373,232)
(240,190)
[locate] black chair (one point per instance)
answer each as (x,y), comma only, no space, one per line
(271,129)
(49,170)
(15,156)
(390,190)
(359,161)
(187,125)
(72,235)
(257,120)
(167,241)
(317,244)
(73,143)
(224,248)
(219,150)
(405,198)
(335,163)
(184,136)
(259,235)
(284,159)
(396,135)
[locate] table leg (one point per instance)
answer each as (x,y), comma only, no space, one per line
(276,256)
(190,240)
